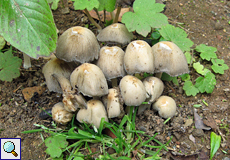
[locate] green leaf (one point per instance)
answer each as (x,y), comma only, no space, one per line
(207,52)
(29,26)
(219,66)
(146,15)
(9,66)
(200,68)
(189,57)
(108,5)
(55,145)
(206,83)
(2,42)
(167,77)
(177,36)
(156,34)
(185,77)
(215,144)
(190,89)
(54,4)
(85,4)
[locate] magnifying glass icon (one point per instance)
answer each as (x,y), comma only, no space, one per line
(9,147)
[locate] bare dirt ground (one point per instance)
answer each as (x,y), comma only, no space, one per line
(206,21)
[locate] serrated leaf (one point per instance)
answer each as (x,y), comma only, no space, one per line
(108,5)
(190,89)
(207,52)
(219,66)
(206,83)
(55,144)
(200,68)
(146,15)
(177,36)
(167,77)
(9,66)
(29,26)
(189,57)
(185,77)
(214,143)
(85,4)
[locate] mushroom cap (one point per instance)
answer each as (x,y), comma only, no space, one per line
(77,44)
(154,88)
(111,62)
(166,106)
(89,80)
(115,32)
(60,115)
(112,103)
(93,114)
(169,59)
(132,90)
(139,58)
(59,68)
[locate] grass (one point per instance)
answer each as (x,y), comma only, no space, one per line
(126,140)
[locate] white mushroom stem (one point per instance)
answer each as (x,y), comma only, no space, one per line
(27,62)
(64,83)
(92,21)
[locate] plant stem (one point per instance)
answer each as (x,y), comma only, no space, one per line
(27,63)
(95,9)
(115,20)
(92,21)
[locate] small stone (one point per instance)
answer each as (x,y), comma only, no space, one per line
(177,135)
(226,158)
(65,10)
(188,122)
(142,128)
(218,26)
(198,133)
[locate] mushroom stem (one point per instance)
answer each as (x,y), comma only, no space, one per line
(92,21)
(81,100)
(27,62)
(114,82)
(64,83)
(158,75)
(115,20)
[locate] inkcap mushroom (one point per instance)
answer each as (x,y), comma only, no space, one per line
(166,106)
(60,115)
(93,114)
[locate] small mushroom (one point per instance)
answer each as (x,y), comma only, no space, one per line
(111,63)
(112,102)
(139,58)
(27,61)
(77,44)
(60,115)
(116,32)
(89,80)
(169,59)
(93,114)
(132,90)
(166,106)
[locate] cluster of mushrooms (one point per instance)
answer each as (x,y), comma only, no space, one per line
(97,82)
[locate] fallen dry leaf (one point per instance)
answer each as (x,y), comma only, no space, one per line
(108,132)
(199,124)
(209,121)
(30,92)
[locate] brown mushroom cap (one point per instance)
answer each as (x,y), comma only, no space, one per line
(154,87)
(111,62)
(89,80)
(139,58)
(60,115)
(132,90)
(115,32)
(57,74)
(93,114)
(166,106)
(77,44)
(169,59)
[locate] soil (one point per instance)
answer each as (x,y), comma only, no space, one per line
(205,21)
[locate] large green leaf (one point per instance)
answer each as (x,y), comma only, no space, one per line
(146,15)
(29,26)
(108,5)
(85,4)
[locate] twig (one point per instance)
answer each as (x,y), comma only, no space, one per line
(17,89)
(171,21)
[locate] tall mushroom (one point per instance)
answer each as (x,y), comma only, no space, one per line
(116,32)
(77,44)
(89,80)
(111,63)
(139,58)
(169,59)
